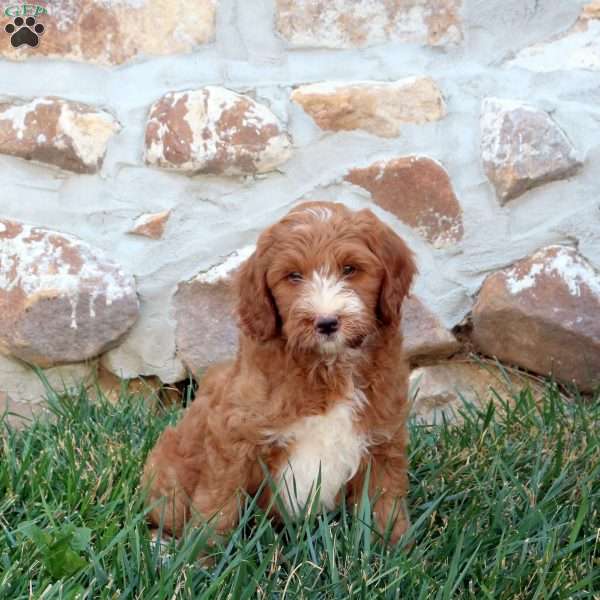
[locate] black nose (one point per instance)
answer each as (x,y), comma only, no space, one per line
(327,325)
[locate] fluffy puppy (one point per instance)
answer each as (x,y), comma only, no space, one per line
(318,386)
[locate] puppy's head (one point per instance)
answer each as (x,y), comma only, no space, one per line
(324,278)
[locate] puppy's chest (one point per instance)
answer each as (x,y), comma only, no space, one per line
(331,445)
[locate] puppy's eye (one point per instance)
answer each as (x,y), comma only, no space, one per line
(295,277)
(348,270)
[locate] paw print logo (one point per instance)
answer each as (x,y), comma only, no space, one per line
(24,31)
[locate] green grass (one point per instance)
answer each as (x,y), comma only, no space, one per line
(504,506)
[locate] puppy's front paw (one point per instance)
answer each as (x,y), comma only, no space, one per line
(395,510)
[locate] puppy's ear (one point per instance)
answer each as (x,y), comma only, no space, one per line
(256,310)
(399,264)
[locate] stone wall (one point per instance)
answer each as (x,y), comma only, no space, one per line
(144,144)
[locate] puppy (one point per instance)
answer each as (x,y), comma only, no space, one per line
(318,388)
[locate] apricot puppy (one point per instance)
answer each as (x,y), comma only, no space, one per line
(319,383)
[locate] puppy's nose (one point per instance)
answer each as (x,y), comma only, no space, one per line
(327,325)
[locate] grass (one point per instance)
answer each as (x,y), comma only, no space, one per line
(504,506)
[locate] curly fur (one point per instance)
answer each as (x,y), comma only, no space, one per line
(298,401)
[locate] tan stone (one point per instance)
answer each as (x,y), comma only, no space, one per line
(151,225)
(591,11)
(19,414)
(543,314)
(206,326)
(377,107)
(61,301)
(214,130)
(27,388)
(425,337)
(69,135)
(444,391)
(111,33)
(522,147)
(150,388)
(360,23)
(418,191)
(576,48)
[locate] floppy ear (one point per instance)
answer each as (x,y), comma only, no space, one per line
(256,310)
(399,264)
(397,261)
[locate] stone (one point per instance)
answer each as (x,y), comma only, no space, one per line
(18,414)
(61,301)
(206,325)
(577,48)
(444,391)
(151,225)
(522,147)
(70,135)
(111,33)
(150,388)
(149,347)
(418,191)
(361,23)
(214,130)
(26,390)
(425,337)
(543,314)
(380,108)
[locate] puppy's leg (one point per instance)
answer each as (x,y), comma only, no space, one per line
(180,494)
(167,498)
(219,509)
(388,486)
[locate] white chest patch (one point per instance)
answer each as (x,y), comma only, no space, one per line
(328,442)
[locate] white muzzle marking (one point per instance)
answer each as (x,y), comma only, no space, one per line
(326,295)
